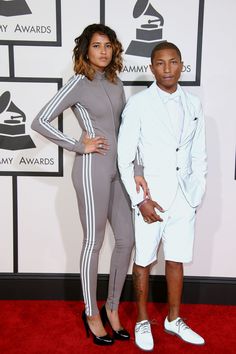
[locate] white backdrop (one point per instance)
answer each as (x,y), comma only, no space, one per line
(49,229)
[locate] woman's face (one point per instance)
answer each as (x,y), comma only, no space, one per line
(99,51)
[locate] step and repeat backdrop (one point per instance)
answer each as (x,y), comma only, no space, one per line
(40,226)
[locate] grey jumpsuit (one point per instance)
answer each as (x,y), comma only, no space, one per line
(97,105)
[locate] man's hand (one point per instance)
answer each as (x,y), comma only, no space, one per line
(141,182)
(147,209)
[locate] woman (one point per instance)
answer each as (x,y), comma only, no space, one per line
(96,96)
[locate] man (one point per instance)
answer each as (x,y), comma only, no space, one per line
(166,126)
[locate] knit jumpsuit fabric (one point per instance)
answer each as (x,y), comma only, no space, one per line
(97,105)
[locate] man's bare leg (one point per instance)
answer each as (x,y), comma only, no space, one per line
(143,332)
(141,288)
(174,278)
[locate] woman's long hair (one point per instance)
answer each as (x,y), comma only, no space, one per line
(80,52)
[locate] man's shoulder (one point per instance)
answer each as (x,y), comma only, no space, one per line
(190,95)
(191,98)
(139,95)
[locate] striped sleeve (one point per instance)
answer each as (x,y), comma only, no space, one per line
(63,99)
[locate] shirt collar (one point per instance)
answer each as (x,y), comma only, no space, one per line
(165,96)
(99,75)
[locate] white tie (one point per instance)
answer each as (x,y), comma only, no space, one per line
(171,97)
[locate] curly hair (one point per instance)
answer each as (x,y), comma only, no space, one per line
(80,51)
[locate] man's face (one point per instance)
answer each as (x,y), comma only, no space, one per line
(166,68)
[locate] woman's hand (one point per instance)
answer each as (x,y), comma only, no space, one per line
(141,182)
(98,144)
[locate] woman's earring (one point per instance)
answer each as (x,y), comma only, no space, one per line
(87,57)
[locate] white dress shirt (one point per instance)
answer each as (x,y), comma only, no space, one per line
(173,104)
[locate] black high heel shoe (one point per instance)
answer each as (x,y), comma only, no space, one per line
(104,340)
(121,334)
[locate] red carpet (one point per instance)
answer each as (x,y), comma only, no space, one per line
(55,327)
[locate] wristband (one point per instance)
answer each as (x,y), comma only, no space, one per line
(143,202)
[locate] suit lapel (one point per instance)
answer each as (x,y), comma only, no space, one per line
(190,121)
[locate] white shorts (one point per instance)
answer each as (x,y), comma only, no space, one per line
(176,232)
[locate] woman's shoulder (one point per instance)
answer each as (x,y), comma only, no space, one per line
(76,78)
(119,82)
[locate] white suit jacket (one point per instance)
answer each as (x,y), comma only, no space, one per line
(146,127)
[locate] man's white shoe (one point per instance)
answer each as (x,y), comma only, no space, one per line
(179,328)
(143,335)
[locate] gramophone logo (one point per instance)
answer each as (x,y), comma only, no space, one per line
(150,33)
(12,126)
(14,8)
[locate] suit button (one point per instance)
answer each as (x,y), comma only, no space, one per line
(177,168)
(177,149)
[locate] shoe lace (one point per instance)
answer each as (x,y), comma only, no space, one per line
(181,324)
(143,327)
